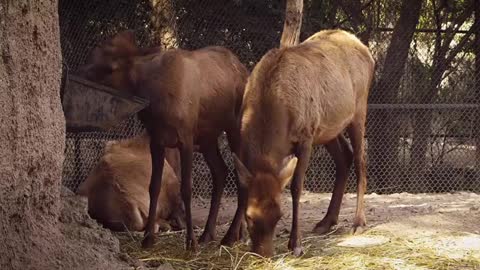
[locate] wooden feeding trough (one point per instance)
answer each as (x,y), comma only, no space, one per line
(93,115)
(89,106)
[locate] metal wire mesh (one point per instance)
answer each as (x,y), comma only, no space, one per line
(422,131)
(84,149)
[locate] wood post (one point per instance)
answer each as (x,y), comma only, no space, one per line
(293,23)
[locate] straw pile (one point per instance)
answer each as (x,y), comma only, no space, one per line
(334,251)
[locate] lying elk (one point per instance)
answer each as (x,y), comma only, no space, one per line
(117,188)
(194,97)
(297,97)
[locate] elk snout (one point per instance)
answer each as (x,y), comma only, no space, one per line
(263,245)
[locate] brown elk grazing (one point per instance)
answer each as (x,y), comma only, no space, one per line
(117,189)
(194,97)
(297,97)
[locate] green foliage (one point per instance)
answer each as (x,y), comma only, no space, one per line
(250,28)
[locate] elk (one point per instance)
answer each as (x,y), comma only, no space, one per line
(295,98)
(117,188)
(194,97)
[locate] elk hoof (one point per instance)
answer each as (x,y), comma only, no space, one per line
(192,245)
(295,247)
(228,240)
(356,230)
(324,227)
(206,237)
(298,251)
(359,225)
(148,241)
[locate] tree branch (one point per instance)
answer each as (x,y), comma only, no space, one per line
(466,37)
(452,30)
(353,11)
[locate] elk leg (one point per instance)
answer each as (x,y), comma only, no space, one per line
(235,231)
(303,153)
(186,159)
(172,155)
(218,169)
(158,156)
(342,155)
(356,132)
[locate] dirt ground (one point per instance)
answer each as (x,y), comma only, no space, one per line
(402,213)
(87,244)
(405,231)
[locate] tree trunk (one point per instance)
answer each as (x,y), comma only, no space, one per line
(32,137)
(476,48)
(163,18)
(384,127)
(293,23)
(32,132)
(422,120)
(318,15)
(422,127)
(355,10)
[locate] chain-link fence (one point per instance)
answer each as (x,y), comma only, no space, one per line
(424,112)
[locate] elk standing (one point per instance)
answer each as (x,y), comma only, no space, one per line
(194,97)
(297,97)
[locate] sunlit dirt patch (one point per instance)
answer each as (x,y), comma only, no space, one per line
(457,247)
(405,231)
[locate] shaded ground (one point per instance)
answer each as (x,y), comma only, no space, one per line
(87,244)
(405,231)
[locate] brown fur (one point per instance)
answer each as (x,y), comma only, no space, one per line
(297,97)
(117,188)
(194,97)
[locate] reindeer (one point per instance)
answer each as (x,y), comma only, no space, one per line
(194,97)
(297,97)
(117,188)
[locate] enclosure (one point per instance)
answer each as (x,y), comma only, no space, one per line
(422,126)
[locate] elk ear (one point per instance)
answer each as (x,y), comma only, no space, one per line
(244,175)
(288,169)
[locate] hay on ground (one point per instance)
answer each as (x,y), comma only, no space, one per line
(320,252)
